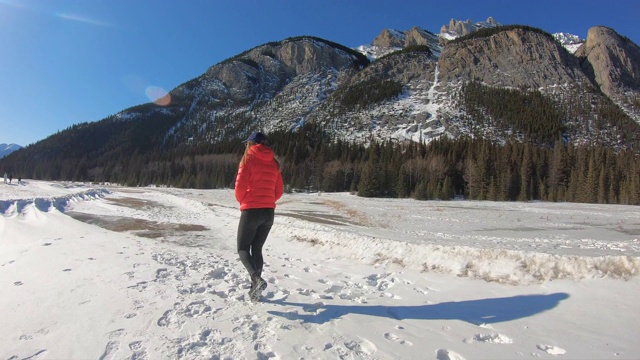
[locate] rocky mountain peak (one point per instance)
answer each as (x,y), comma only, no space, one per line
(613,63)
(614,60)
(418,36)
(262,69)
(513,57)
(392,40)
(6,149)
(389,38)
(457,28)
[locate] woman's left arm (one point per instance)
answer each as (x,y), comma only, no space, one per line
(242,182)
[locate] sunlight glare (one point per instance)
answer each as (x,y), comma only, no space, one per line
(6,14)
(158,95)
(82,19)
(14,4)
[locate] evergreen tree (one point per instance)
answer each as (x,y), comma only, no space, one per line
(369,185)
(447,192)
(526,170)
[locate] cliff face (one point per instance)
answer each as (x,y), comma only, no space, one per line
(418,36)
(389,39)
(511,58)
(263,71)
(613,63)
(461,28)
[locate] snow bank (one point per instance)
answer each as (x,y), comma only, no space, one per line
(17,206)
(499,265)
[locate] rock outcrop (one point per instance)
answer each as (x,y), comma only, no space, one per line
(511,58)
(418,36)
(262,71)
(389,38)
(461,28)
(612,60)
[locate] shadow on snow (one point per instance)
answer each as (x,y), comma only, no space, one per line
(482,311)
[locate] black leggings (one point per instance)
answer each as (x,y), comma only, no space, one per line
(253,230)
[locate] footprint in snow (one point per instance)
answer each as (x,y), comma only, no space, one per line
(38,355)
(491,338)
(551,349)
(113,345)
(196,309)
(361,347)
(136,345)
(305,292)
(444,354)
(395,338)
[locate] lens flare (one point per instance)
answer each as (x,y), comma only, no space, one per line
(14,4)
(82,19)
(158,95)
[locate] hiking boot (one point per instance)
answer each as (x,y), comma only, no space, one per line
(257,285)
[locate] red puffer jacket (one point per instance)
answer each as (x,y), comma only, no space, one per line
(259,181)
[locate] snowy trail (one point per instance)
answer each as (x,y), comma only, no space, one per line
(111,288)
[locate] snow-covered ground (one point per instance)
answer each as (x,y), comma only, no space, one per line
(105,272)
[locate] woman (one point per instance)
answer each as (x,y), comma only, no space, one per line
(258,187)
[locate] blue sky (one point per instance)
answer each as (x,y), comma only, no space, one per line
(64,62)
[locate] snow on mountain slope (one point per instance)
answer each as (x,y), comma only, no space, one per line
(453,30)
(6,149)
(569,41)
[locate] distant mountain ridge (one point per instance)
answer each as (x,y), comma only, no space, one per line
(457,28)
(416,86)
(390,40)
(6,149)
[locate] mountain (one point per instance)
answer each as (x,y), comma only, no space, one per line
(504,84)
(569,41)
(613,63)
(457,28)
(273,85)
(6,149)
(389,41)
(431,104)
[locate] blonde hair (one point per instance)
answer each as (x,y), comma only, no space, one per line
(246,152)
(246,155)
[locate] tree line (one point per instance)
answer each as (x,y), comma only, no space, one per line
(312,160)
(468,168)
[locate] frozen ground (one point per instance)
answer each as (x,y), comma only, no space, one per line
(148,273)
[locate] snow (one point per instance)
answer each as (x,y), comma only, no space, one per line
(373,52)
(569,41)
(6,149)
(109,272)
